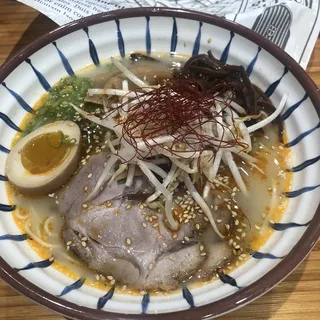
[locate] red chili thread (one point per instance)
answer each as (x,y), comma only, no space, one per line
(178,108)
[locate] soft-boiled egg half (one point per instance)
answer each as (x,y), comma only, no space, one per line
(44,160)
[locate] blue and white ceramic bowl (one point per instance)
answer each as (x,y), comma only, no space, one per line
(89,41)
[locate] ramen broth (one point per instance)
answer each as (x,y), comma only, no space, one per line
(39,216)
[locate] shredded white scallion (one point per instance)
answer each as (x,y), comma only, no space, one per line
(121,169)
(269,119)
(104,178)
(131,76)
(235,172)
(229,126)
(130,176)
(109,124)
(196,196)
(165,183)
(124,92)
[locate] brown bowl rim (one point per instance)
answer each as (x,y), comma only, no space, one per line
(239,298)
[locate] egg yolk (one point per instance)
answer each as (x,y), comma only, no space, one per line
(44,152)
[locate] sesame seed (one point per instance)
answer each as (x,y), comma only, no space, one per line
(219,220)
(197,226)
(84,239)
(230,242)
(236,222)
(97,277)
(234,214)
(257,227)
(237,247)
(187,238)
(85,206)
(128,206)
(86,188)
(89,175)
(216,208)
(68,248)
(113,282)
(243,234)
(238,238)
(228,206)
(83,243)
(141,206)
(240,258)
(206,219)
(103,278)
(227,226)
(174,236)
(203,254)
(144,225)
(57,202)
(237,263)
(128,241)
(201,248)
(68,243)
(155,225)
(150,266)
(243,224)
(239,230)
(186,221)
(110,278)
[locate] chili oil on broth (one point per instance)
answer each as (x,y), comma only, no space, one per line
(251,232)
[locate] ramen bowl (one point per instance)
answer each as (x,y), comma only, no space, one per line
(32,72)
